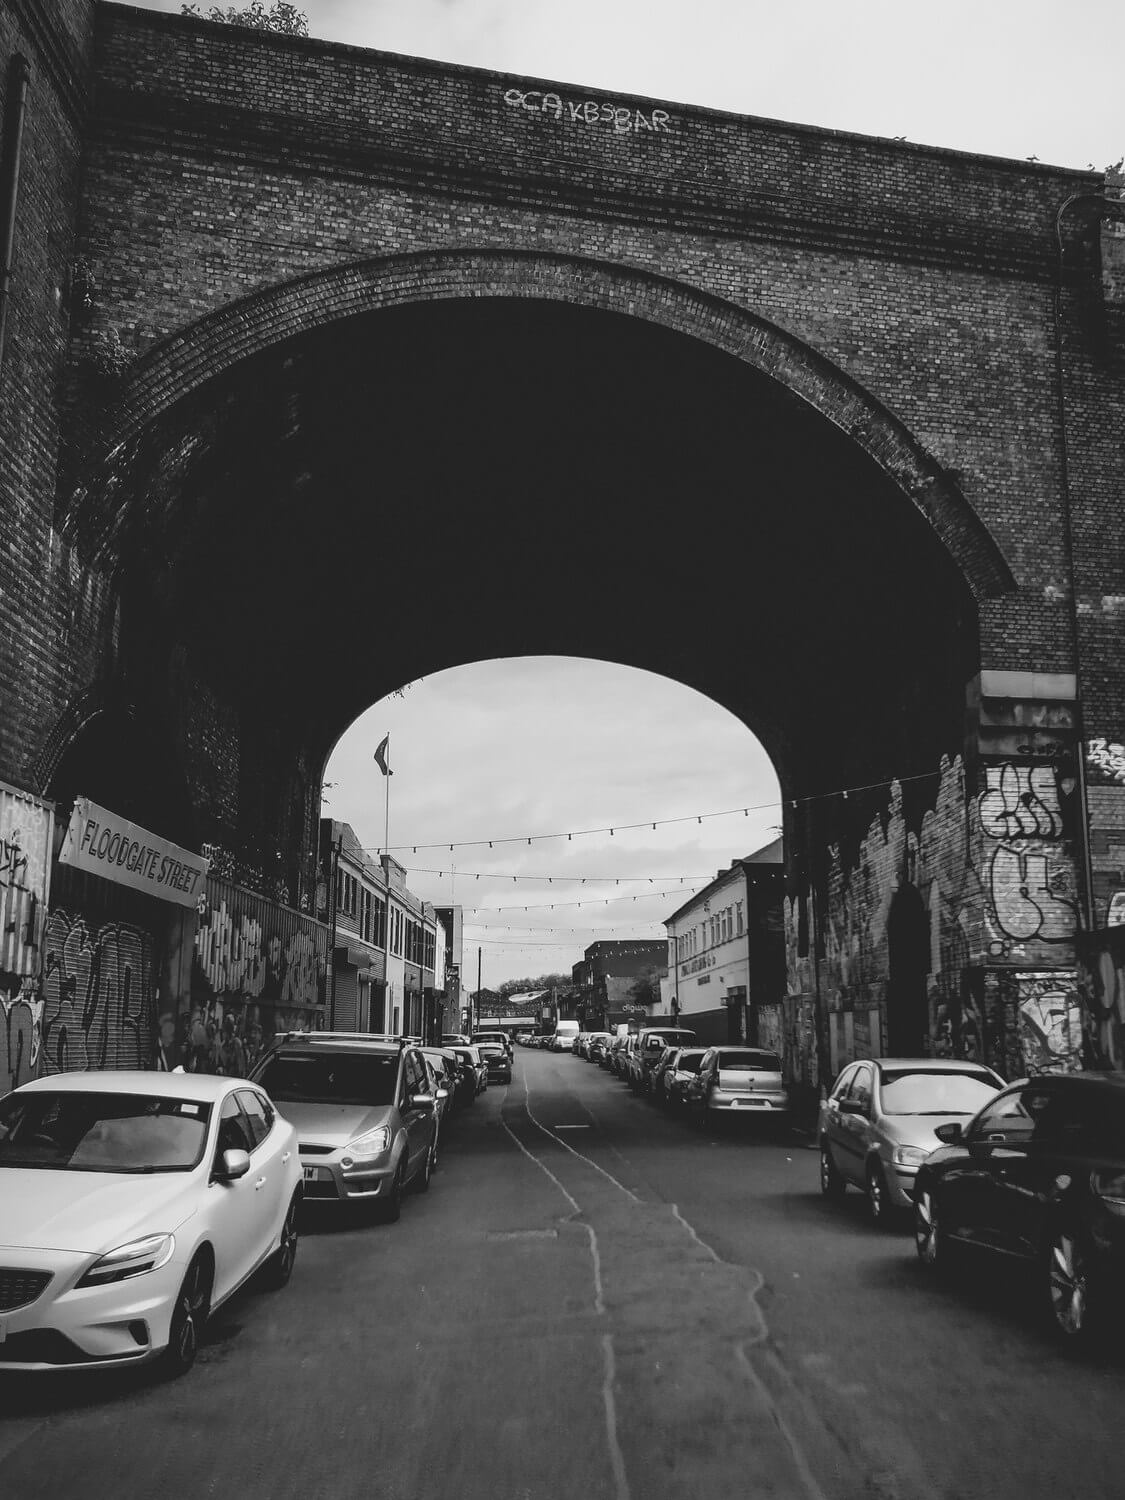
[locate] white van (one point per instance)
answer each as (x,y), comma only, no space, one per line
(565,1032)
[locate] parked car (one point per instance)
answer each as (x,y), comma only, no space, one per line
(443,1069)
(596,1042)
(680,1078)
(879,1122)
(1037,1174)
(454,1039)
(743,1080)
(498,1065)
(365,1116)
(132,1205)
(645,1050)
(503,1038)
(615,1056)
(471,1056)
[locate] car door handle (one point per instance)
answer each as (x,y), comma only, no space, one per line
(286,1157)
(261,1182)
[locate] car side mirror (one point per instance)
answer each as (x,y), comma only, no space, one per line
(949,1132)
(234,1164)
(852,1107)
(417,1101)
(443,1093)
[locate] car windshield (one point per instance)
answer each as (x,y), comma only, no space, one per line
(688,1062)
(94,1132)
(495,1048)
(331,1077)
(670,1038)
(936,1093)
(750,1061)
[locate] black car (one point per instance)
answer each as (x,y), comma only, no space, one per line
(1038,1174)
(497,1061)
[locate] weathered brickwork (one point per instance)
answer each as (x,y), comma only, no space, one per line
(256,212)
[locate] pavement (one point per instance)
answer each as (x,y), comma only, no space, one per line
(595,1299)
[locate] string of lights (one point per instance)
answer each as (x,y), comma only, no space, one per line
(653,823)
(562,879)
(470,911)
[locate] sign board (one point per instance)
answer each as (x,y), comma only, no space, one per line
(105,844)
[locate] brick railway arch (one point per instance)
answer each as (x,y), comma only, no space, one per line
(217,343)
(296,495)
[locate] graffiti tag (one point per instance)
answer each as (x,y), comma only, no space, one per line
(1020,802)
(98,997)
(1107,756)
(622,120)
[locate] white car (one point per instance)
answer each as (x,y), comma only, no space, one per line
(131,1205)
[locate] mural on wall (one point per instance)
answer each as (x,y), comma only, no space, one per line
(1050,1022)
(997,878)
(98,1006)
(257,969)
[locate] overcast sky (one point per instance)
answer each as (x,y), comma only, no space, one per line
(516,749)
(1012,78)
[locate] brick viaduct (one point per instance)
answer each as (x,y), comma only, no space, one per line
(323,366)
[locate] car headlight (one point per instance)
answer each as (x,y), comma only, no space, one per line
(908,1156)
(1110,1188)
(367,1146)
(133,1259)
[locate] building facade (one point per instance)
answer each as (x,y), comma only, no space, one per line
(389,949)
(620,983)
(726,951)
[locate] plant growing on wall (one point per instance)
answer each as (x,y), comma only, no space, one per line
(281,17)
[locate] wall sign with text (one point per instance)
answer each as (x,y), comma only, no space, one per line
(110,846)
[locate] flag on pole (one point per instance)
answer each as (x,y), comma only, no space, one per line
(381,755)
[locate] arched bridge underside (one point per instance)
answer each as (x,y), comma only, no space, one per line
(363,477)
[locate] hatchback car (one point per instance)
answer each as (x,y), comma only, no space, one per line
(740,1080)
(132,1204)
(502,1038)
(1037,1175)
(645,1051)
(879,1123)
(364,1113)
(498,1065)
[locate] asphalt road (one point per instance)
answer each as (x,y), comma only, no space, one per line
(594,1300)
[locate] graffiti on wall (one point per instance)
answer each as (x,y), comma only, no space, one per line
(997,882)
(1030,885)
(21,1022)
(98,995)
(26,830)
(1050,1023)
(257,969)
(1101,989)
(1107,758)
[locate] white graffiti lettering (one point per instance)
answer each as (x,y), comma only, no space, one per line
(1107,756)
(621,119)
(1020,802)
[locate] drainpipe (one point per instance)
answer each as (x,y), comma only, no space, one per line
(19,75)
(1101,208)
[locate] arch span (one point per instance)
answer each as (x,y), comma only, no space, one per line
(218,342)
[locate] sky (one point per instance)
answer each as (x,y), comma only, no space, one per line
(1016,78)
(522,748)
(529,747)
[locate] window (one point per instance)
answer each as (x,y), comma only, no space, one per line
(347,889)
(430,955)
(365,900)
(1011,1119)
(379,929)
(234,1131)
(860,1091)
(843,1083)
(254,1107)
(738,917)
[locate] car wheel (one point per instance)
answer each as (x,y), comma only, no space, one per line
(279,1267)
(389,1209)
(422,1182)
(878,1201)
(1069,1287)
(832,1185)
(188,1319)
